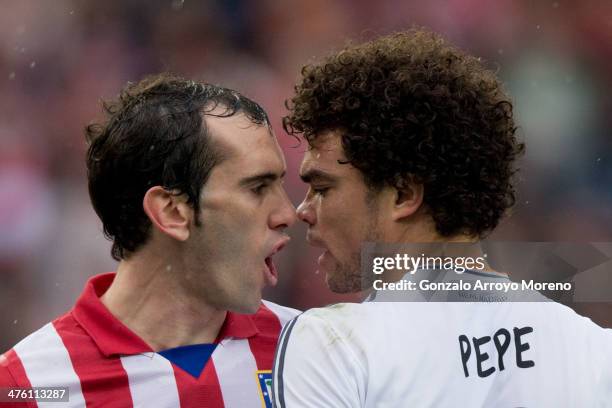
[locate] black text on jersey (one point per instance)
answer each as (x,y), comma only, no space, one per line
(501,339)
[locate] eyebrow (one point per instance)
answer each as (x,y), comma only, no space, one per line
(316,175)
(263,177)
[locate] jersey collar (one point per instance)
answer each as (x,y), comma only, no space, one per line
(114,338)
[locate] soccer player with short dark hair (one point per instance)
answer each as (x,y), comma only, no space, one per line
(413,141)
(187,180)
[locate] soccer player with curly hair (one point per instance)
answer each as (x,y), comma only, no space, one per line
(411,140)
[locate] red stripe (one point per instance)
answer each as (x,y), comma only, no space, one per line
(263,344)
(204,391)
(16,369)
(10,365)
(104,382)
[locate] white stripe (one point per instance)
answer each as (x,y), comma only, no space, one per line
(283,313)
(152,380)
(236,370)
(47,364)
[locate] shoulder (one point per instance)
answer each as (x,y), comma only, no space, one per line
(10,377)
(15,363)
(319,362)
(561,315)
(346,326)
(8,362)
(283,313)
(345,317)
(579,328)
(50,338)
(43,341)
(43,347)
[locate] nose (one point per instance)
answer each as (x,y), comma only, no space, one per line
(306,213)
(285,215)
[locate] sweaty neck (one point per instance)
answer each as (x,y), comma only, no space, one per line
(147,296)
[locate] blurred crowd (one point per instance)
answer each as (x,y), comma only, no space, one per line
(59,58)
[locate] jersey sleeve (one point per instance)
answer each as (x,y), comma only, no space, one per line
(6,383)
(606,355)
(315,366)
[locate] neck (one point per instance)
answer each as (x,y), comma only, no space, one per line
(421,238)
(148,297)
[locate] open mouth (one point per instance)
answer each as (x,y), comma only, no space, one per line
(271,274)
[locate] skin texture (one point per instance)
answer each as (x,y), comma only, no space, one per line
(242,218)
(340,213)
(187,276)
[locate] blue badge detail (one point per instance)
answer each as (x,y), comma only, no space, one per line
(190,358)
(264,379)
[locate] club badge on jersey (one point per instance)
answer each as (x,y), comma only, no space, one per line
(264,379)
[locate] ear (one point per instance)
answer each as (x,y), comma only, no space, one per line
(169,213)
(408,199)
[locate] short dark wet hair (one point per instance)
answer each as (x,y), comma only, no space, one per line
(154,134)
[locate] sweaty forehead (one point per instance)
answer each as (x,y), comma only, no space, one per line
(324,153)
(240,139)
(248,148)
(232,132)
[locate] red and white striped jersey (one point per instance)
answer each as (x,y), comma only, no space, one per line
(104,363)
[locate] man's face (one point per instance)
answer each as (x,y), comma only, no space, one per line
(244,210)
(341,213)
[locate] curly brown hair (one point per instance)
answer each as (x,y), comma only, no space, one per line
(410,106)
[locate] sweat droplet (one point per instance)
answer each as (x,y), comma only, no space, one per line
(32,64)
(12,76)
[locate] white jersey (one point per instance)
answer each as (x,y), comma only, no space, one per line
(428,354)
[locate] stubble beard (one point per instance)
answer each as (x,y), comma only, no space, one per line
(350,277)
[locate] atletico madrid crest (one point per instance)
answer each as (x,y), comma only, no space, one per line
(264,379)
